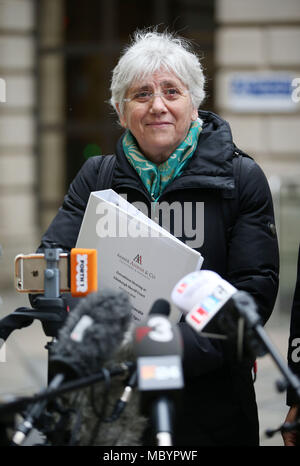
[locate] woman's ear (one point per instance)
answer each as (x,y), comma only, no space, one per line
(121,116)
(194,114)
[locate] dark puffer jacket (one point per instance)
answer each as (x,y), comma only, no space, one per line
(240,244)
(294,337)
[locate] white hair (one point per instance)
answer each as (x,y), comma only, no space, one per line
(151,51)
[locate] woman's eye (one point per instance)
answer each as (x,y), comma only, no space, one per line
(142,95)
(172,92)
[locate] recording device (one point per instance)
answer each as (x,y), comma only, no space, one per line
(108,419)
(77,271)
(46,276)
(158,347)
(217,309)
(92,333)
(201,295)
(161,307)
(208,300)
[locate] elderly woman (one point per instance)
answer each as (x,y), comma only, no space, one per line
(172,151)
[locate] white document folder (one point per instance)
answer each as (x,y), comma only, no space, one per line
(135,254)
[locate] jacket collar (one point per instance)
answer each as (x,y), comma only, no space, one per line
(210,167)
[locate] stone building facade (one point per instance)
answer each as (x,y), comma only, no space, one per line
(18,200)
(260,38)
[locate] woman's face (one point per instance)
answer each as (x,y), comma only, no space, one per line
(159,123)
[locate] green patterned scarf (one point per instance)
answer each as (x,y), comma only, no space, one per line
(157,177)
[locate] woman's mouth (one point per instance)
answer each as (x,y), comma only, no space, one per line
(160,124)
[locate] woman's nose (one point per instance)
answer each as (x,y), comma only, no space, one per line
(157,104)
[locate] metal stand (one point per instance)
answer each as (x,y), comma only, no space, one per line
(260,343)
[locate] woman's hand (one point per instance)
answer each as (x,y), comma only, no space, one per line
(290,438)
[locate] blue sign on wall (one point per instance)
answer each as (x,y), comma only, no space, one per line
(261,92)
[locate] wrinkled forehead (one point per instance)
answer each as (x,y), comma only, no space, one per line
(158,79)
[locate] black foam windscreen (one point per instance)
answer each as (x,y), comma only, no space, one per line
(160,306)
(91,334)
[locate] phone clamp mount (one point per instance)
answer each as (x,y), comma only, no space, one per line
(50,308)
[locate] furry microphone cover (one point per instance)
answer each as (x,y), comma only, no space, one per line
(84,417)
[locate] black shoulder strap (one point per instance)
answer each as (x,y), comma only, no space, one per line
(106,172)
(231,198)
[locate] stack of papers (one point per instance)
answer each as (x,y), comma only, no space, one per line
(135,254)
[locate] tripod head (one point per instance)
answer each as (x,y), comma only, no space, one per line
(45,276)
(50,307)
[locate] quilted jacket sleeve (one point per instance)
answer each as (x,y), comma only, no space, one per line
(64,228)
(253,256)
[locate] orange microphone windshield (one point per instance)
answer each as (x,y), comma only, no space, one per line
(83,271)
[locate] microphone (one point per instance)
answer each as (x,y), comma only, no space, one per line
(211,304)
(201,295)
(122,427)
(91,335)
(158,347)
(160,306)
